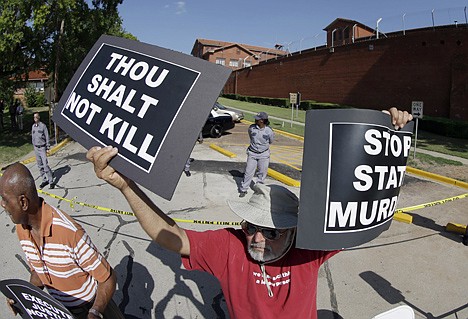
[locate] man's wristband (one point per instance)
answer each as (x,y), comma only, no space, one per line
(96,313)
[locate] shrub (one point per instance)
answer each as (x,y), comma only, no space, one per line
(34,98)
(443,126)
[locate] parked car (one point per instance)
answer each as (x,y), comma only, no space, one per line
(221,109)
(217,124)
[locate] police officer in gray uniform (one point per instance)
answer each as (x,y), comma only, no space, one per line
(258,152)
(40,141)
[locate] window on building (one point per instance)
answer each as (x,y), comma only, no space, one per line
(234,63)
(221,61)
(247,63)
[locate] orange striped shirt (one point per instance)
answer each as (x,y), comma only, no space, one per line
(66,260)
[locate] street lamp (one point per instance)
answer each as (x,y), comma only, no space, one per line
(315,42)
(432,13)
(266,54)
(243,62)
(333,36)
(354,32)
(403,23)
(377,27)
(466,21)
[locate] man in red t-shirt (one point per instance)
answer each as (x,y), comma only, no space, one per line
(261,273)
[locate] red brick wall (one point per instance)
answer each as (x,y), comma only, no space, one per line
(429,66)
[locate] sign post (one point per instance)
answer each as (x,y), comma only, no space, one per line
(298,102)
(417,112)
(292,101)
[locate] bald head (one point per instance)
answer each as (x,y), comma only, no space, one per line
(17,180)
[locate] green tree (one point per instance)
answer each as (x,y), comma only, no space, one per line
(53,35)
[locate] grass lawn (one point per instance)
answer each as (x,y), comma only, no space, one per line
(447,145)
(16,144)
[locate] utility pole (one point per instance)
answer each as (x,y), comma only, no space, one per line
(57,64)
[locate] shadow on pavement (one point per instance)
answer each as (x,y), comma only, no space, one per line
(203,281)
(59,172)
(428,223)
(328,314)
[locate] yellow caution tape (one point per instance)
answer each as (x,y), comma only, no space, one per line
(74,202)
(431,204)
(398,215)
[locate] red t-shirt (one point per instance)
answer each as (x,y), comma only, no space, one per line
(293,278)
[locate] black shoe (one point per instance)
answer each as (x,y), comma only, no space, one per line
(52,186)
(191,160)
(242,194)
(187,173)
(43,184)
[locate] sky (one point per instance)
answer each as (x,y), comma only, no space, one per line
(295,24)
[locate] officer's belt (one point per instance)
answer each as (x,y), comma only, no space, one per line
(257,152)
(39,146)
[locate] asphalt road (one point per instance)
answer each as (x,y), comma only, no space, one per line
(419,264)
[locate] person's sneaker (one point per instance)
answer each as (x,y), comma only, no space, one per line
(242,194)
(187,173)
(52,186)
(43,184)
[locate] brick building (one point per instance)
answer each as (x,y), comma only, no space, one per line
(36,79)
(363,70)
(344,31)
(234,55)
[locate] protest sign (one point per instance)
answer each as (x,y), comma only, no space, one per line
(353,167)
(149,102)
(31,302)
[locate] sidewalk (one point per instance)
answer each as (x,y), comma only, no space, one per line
(437,154)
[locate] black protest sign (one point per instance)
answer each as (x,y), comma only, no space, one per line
(31,302)
(147,101)
(353,167)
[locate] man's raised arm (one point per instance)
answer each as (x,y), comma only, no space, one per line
(161,228)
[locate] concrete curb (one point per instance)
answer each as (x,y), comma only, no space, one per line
(222,151)
(283,178)
(456,228)
(52,151)
(403,217)
(436,177)
(297,137)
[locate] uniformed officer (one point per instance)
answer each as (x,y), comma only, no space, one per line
(258,152)
(40,141)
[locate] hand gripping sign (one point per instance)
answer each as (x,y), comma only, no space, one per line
(147,101)
(353,167)
(31,302)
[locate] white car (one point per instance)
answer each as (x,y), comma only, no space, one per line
(222,110)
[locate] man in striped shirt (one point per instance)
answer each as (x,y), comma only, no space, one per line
(60,253)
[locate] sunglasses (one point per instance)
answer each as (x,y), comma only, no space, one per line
(268,233)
